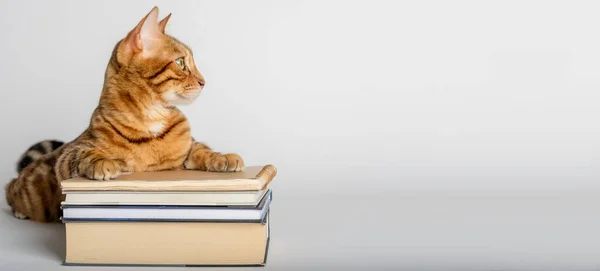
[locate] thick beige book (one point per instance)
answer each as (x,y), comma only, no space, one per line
(252,178)
(160,243)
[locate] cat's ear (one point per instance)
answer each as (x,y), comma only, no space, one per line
(163,23)
(144,37)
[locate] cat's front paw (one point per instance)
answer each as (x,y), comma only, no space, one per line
(103,169)
(226,162)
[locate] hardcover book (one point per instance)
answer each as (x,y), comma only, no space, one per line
(252,178)
(172,244)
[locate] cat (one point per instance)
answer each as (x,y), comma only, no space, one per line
(135,127)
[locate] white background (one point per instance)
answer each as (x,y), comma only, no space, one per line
(361,105)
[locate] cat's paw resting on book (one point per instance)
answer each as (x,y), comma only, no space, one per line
(225,162)
(102,169)
(203,158)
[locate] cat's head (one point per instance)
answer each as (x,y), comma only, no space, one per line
(160,63)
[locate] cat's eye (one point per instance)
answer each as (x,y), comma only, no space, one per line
(180,62)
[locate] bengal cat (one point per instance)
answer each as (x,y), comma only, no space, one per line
(135,127)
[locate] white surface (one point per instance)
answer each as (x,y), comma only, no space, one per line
(421,97)
(415,231)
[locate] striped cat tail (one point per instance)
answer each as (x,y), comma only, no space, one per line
(36,151)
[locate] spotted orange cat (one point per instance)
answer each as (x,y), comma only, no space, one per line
(135,127)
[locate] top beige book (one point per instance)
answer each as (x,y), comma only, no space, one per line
(252,178)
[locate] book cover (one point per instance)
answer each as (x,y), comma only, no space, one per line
(252,178)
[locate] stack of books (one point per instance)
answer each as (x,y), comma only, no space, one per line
(182,217)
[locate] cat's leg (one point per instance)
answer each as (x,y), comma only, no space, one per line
(201,157)
(83,160)
(14,199)
(20,215)
(36,193)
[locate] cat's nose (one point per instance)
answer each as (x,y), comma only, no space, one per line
(201,83)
